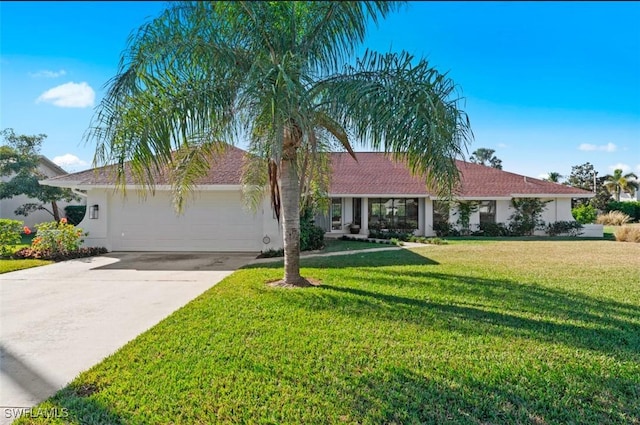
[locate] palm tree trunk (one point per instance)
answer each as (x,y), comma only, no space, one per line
(290,196)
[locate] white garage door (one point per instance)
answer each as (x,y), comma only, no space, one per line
(212,221)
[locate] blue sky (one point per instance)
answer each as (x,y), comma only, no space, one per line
(548,85)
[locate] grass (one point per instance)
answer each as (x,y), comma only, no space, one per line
(609,231)
(336,245)
(10,265)
(540,332)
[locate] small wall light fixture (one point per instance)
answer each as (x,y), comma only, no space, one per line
(93,212)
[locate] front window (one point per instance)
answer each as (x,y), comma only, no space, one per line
(487,211)
(440,213)
(336,213)
(393,213)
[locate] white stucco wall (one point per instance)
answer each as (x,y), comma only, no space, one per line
(211,221)
(558,209)
(97,228)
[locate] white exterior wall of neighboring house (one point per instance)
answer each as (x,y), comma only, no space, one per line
(213,220)
(504,210)
(625,197)
(8,206)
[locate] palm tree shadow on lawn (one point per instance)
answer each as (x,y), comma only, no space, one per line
(403,257)
(460,302)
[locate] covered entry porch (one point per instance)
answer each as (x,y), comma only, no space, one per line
(358,215)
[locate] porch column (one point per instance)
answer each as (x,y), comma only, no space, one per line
(364,216)
(421,227)
(428,217)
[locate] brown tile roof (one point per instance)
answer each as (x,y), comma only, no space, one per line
(376,173)
(373,173)
(227,170)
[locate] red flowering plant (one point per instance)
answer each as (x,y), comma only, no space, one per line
(57,238)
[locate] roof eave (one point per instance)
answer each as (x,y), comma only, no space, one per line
(162,187)
(552,195)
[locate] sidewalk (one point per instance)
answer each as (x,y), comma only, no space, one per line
(311,254)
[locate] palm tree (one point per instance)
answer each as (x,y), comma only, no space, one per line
(554,177)
(206,74)
(486,157)
(618,183)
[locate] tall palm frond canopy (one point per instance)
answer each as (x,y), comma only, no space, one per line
(281,77)
(618,183)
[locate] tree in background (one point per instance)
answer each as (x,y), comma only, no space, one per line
(486,157)
(583,177)
(273,74)
(554,177)
(19,160)
(602,198)
(617,183)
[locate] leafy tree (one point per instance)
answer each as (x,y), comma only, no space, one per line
(275,74)
(19,159)
(486,157)
(464,210)
(527,215)
(583,177)
(602,198)
(618,183)
(554,177)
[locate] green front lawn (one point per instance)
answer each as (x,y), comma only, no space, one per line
(8,265)
(467,333)
(336,245)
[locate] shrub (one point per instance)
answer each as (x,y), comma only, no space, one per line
(613,218)
(526,216)
(270,253)
(399,234)
(627,234)
(493,229)
(9,235)
(632,209)
(311,236)
(571,228)
(396,241)
(31,253)
(445,229)
(584,214)
(75,213)
(57,238)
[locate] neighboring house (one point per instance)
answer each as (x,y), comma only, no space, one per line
(364,192)
(9,205)
(625,197)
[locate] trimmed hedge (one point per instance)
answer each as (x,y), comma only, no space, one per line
(632,209)
(75,213)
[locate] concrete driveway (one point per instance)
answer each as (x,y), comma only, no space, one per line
(61,319)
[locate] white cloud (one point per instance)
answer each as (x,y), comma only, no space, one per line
(609,147)
(543,176)
(638,168)
(48,74)
(624,167)
(69,162)
(503,145)
(69,95)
